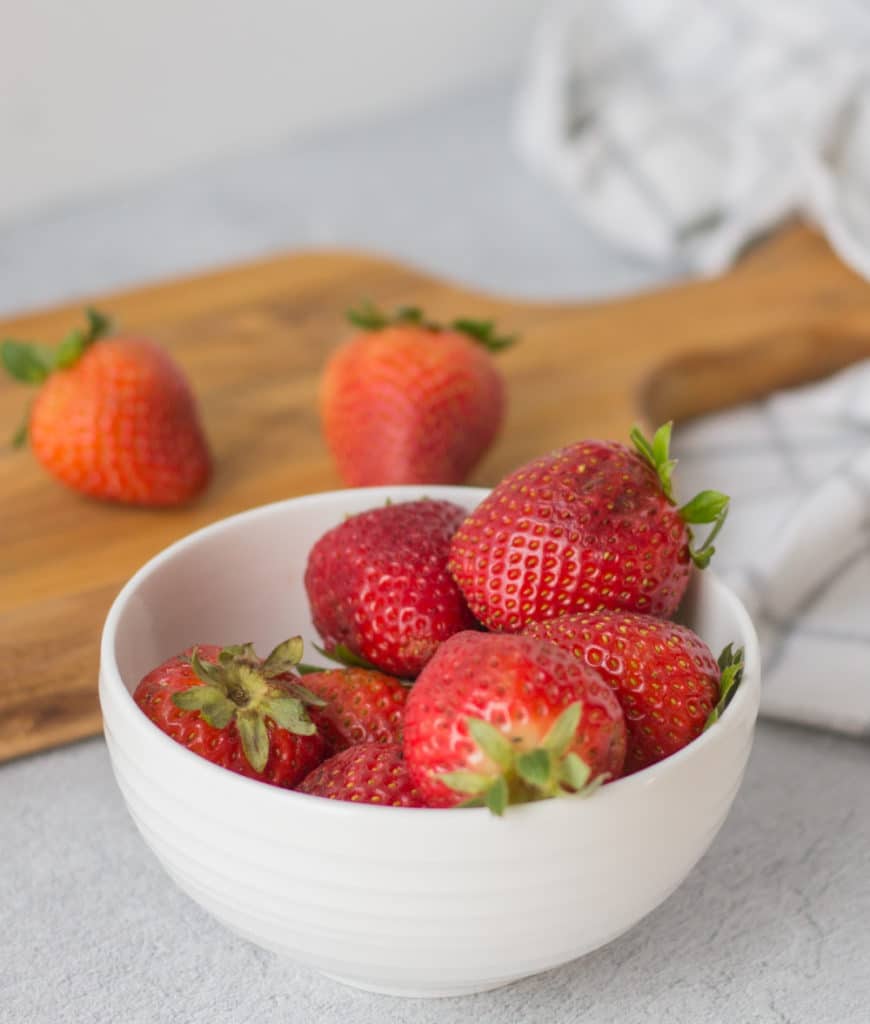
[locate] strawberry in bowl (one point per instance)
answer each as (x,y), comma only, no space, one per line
(594,525)
(238,711)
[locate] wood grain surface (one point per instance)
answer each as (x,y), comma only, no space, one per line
(253,341)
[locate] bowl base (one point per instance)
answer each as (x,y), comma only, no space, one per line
(424,993)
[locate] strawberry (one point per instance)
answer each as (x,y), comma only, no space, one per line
(114,417)
(360,706)
(591,526)
(664,675)
(497,719)
(370,773)
(407,401)
(379,587)
(237,711)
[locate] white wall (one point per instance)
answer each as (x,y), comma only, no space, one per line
(103,93)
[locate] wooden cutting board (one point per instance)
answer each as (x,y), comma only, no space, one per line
(253,340)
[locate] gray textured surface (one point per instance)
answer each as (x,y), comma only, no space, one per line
(773,926)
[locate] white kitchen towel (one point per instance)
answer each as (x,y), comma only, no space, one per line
(796,545)
(681,129)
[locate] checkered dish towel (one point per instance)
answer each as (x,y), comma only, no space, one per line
(796,545)
(681,129)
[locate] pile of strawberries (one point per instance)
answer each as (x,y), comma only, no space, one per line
(519,652)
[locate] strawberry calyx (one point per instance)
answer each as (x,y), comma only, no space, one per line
(368,317)
(514,777)
(731,666)
(31,363)
(240,687)
(707,507)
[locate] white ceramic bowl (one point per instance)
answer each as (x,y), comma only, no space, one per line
(402,901)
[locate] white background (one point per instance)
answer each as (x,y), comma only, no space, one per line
(98,94)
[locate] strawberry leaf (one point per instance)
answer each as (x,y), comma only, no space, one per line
(492,742)
(537,768)
(302,693)
(290,714)
(238,652)
(474,801)
(309,670)
(574,772)
(76,342)
(19,438)
(657,454)
(731,666)
(465,782)
(563,730)
(254,737)
(496,798)
(661,443)
(99,325)
(345,656)
(207,671)
(484,333)
(642,446)
(368,317)
(70,350)
(284,657)
(25,362)
(409,315)
(705,507)
(211,703)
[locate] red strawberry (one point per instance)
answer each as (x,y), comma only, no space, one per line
(371,773)
(507,719)
(591,526)
(665,677)
(237,711)
(408,401)
(361,706)
(379,587)
(114,418)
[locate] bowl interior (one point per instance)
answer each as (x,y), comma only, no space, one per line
(239,580)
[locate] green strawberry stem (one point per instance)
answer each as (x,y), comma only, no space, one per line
(30,363)
(512,777)
(731,673)
(370,318)
(706,507)
(344,656)
(240,687)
